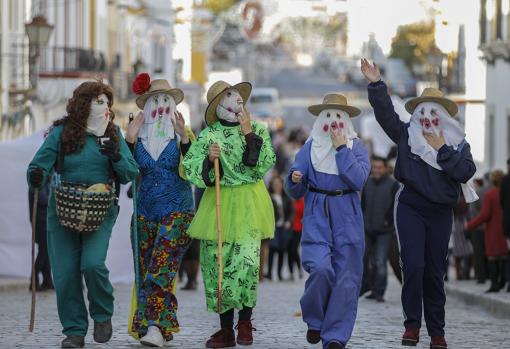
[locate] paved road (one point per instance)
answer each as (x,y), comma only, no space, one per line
(378,325)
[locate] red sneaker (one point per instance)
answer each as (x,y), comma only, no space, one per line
(224,338)
(438,342)
(411,337)
(244,332)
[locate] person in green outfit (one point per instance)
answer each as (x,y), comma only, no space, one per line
(245,153)
(88,149)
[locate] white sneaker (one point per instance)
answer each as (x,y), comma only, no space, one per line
(153,338)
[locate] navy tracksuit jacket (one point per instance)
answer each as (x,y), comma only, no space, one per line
(423,215)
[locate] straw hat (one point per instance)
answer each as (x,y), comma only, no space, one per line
(217,91)
(334,101)
(160,86)
(432,95)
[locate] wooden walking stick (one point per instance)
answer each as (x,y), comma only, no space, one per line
(220,238)
(34,216)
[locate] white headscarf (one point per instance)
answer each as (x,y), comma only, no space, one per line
(158,130)
(230,106)
(323,151)
(430,117)
(99,116)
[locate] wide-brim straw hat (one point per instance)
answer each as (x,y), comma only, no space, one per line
(431,94)
(160,86)
(216,93)
(334,101)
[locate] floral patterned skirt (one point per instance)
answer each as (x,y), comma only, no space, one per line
(241,263)
(161,246)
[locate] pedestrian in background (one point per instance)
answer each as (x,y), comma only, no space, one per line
(42,262)
(283,213)
(377,202)
(496,247)
(462,250)
(295,238)
(476,236)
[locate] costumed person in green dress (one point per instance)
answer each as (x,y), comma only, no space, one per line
(245,154)
(85,148)
(164,201)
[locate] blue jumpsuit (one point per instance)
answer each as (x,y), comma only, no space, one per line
(332,241)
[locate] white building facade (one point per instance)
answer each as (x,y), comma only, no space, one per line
(495,46)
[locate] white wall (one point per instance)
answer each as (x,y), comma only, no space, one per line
(498,104)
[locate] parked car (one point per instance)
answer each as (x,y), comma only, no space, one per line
(264,105)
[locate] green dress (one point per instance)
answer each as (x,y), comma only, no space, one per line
(76,256)
(246,210)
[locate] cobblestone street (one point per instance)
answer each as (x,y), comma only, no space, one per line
(276,319)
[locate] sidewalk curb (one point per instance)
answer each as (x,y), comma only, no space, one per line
(494,306)
(13,286)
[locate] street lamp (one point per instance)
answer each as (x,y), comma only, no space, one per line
(38,32)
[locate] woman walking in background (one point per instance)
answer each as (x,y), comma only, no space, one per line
(295,238)
(496,247)
(462,250)
(283,213)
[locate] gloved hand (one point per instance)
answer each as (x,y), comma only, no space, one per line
(36,177)
(109,149)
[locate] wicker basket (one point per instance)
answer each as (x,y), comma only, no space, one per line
(79,210)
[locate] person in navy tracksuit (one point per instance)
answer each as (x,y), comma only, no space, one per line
(430,188)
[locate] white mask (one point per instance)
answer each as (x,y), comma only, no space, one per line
(158,129)
(230,106)
(322,151)
(99,116)
(431,117)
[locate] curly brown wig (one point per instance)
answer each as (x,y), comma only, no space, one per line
(78,110)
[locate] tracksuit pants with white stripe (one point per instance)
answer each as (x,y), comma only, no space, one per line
(423,230)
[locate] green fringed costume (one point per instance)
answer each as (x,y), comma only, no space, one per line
(246,209)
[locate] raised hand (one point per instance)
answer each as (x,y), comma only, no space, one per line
(180,127)
(134,128)
(245,121)
(371,72)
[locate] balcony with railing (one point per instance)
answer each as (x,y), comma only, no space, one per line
(71,62)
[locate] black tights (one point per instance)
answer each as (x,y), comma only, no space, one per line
(281,253)
(227,318)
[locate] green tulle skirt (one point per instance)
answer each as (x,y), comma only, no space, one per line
(247,214)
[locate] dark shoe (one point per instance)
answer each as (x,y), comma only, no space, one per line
(73,341)
(335,345)
(313,336)
(438,342)
(47,285)
(411,337)
(245,332)
(379,299)
(190,286)
(102,331)
(492,289)
(224,338)
(371,296)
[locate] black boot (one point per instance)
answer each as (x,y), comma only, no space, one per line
(73,341)
(493,275)
(102,331)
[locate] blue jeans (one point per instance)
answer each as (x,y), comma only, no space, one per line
(377,246)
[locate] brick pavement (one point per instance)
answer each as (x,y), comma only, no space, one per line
(378,325)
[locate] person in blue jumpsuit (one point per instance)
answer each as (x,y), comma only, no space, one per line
(329,170)
(433,164)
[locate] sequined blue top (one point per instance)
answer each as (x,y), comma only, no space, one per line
(162,190)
